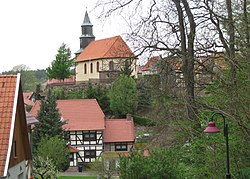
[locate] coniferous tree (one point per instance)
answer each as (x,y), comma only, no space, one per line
(50,123)
(61,67)
(38,91)
(99,93)
(126,69)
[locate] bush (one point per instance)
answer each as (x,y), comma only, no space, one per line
(143,121)
(55,149)
(161,163)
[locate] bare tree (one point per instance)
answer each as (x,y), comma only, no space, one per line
(165,28)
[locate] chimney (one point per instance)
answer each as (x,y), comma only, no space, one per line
(129,116)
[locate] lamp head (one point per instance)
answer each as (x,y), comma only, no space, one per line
(211,128)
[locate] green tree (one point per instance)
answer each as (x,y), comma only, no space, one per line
(28,77)
(106,166)
(37,92)
(99,93)
(55,149)
(61,67)
(44,168)
(50,123)
(123,96)
(126,69)
(161,163)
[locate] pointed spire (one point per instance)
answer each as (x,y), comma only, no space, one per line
(86,20)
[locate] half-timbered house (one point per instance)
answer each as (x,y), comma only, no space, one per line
(84,124)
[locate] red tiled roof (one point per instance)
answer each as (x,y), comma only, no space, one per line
(81,114)
(113,47)
(27,100)
(119,130)
(148,66)
(27,95)
(7,97)
(71,79)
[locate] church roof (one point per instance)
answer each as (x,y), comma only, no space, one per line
(86,20)
(113,47)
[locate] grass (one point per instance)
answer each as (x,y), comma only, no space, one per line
(77,177)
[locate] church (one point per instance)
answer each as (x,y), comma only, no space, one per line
(101,60)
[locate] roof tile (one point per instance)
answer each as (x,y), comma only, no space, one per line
(82,114)
(119,130)
(7,91)
(113,47)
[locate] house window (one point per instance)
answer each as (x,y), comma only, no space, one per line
(89,136)
(121,147)
(111,65)
(85,68)
(90,154)
(91,67)
(97,66)
(14,149)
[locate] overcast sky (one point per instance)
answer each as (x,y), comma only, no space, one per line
(31,31)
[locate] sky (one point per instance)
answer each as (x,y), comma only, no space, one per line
(31,31)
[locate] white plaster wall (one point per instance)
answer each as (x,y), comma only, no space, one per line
(18,171)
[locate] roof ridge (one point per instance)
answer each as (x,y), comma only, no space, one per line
(117,37)
(75,99)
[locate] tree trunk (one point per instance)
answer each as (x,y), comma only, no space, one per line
(187,55)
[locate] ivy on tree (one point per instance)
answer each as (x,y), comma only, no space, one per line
(123,96)
(60,67)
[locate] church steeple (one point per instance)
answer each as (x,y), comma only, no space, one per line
(87,33)
(86,20)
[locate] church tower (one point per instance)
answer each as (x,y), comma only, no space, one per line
(87,34)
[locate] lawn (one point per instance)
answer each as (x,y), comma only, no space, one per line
(77,177)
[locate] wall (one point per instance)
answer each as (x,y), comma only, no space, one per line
(103,66)
(18,171)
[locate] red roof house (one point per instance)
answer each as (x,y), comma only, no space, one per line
(102,60)
(57,82)
(27,98)
(89,132)
(14,149)
(119,130)
(119,135)
(113,47)
(151,66)
(85,125)
(80,114)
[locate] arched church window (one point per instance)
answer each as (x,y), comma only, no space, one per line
(111,65)
(97,66)
(85,68)
(91,67)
